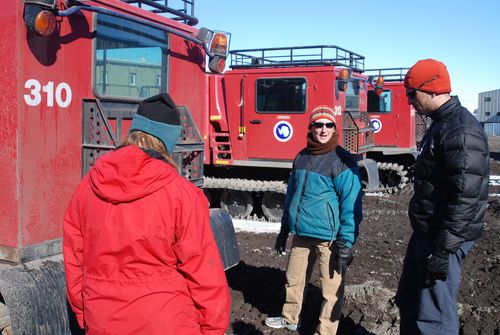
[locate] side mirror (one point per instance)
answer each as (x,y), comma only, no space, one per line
(342,83)
(217,64)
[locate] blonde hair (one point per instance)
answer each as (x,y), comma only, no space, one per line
(145,141)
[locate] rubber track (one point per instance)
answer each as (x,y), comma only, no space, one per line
(245,185)
(396,168)
(248,185)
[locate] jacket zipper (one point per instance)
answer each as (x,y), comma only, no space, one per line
(333,223)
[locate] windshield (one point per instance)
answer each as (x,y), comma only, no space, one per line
(130,58)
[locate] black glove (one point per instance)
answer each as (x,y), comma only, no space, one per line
(280,244)
(343,256)
(437,267)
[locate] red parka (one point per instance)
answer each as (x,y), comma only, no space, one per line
(139,254)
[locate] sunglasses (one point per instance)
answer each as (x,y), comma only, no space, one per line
(413,93)
(319,125)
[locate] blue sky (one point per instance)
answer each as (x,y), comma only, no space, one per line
(465,35)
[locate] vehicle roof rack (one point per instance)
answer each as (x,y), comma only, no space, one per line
(389,74)
(316,55)
(184,13)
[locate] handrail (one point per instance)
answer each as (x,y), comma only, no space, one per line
(73,10)
(315,55)
(389,74)
(180,15)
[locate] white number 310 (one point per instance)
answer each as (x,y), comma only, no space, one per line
(62,93)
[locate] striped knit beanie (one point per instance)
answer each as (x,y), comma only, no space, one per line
(322,112)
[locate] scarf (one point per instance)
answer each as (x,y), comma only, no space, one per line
(317,148)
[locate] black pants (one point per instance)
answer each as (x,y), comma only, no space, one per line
(428,310)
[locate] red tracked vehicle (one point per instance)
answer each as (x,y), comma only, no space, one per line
(73,74)
(260,116)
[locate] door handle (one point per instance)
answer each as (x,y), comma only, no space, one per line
(255,121)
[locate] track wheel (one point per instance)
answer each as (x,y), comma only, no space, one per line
(237,203)
(272,205)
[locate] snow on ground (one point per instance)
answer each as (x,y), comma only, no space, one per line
(375,194)
(494,180)
(256,226)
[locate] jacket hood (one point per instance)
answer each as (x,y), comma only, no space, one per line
(128,174)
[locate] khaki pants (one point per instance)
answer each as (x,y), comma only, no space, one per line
(5,328)
(303,253)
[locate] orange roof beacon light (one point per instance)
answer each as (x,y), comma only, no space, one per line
(219,44)
(379,85)
(218,52)
(343,79)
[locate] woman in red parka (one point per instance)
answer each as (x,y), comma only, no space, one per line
(139,254)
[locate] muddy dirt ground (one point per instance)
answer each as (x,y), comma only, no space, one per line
(257,282)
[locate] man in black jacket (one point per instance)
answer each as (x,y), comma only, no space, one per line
(448,207)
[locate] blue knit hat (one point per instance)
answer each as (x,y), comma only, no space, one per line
(158,116)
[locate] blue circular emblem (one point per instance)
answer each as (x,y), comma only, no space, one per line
(283,131)
(376,125)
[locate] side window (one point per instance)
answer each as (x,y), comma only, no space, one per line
(278,95)
(380,104)
(385,101)
(130,58)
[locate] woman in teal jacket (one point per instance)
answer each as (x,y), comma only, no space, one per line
(323,212)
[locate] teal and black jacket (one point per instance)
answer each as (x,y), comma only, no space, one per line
(323,198)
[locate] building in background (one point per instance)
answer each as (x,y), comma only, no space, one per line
(125,77)
(488,111)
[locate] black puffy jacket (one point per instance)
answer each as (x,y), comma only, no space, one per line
(451,179)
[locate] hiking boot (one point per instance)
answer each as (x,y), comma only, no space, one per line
(280,322)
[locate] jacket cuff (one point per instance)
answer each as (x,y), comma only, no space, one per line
(341,243)
(79,318)
(440,253)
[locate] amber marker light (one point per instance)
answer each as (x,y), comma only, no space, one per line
(45,23)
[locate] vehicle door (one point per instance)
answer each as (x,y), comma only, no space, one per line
(385,120)
(275,116)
